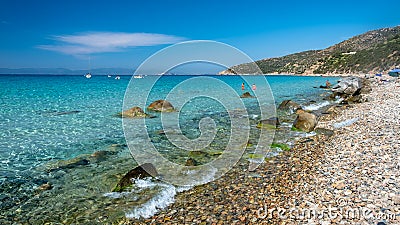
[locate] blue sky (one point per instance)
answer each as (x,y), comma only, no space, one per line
(51,34)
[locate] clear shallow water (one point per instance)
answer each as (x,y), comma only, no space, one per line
(45,119)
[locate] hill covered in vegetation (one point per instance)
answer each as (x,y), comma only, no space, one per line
(372,52)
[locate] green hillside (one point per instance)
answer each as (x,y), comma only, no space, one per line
(372,52)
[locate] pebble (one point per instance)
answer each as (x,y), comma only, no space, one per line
(339,185)
(347,192)
(396,200)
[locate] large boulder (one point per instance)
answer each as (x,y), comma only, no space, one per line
(347,86)
(272,122)
(305,121)
(161,106)
(134,112)
(142,171)
(289,105)
(246,95)
(351,89)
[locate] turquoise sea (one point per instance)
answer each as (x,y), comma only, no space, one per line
(62,130)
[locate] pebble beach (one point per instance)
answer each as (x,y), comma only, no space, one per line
(347,174)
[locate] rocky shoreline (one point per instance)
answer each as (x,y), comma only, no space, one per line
(348,176)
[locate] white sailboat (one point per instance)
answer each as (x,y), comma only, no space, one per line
(89,75)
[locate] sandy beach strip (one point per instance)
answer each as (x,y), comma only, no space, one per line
(351,177)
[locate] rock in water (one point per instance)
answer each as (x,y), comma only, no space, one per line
(70,163)
(100,156)
(272,122)
(161,106)
(45,187)
(197,153)
(289,105)
(191,162)
(134,112)
(142,171)
(305,121)
(246,95)
(66,113)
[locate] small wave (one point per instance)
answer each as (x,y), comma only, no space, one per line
(339,100)
(316,106)
(164,197)
(116,195)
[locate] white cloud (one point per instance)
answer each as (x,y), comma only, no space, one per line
(97,42)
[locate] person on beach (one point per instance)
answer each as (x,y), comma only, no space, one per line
(242,86)
(253,87)
(327,84)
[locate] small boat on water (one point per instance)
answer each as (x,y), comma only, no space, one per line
(88,75)
(109,76)
(138,76)
(117,77)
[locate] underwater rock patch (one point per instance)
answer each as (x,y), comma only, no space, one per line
(134,112)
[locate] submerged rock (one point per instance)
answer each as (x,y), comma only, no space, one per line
(246,95)
(118,146)
(142,171)
(66,113)
(45,187)
(305,121)
(197,153)
(323,87)
(70,163)
(272,122)
(100,156)
(289,105)
(55,113)
(134,112)
(191,162)
(161,106)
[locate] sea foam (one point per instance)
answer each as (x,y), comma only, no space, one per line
(316,106)
(164,198)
